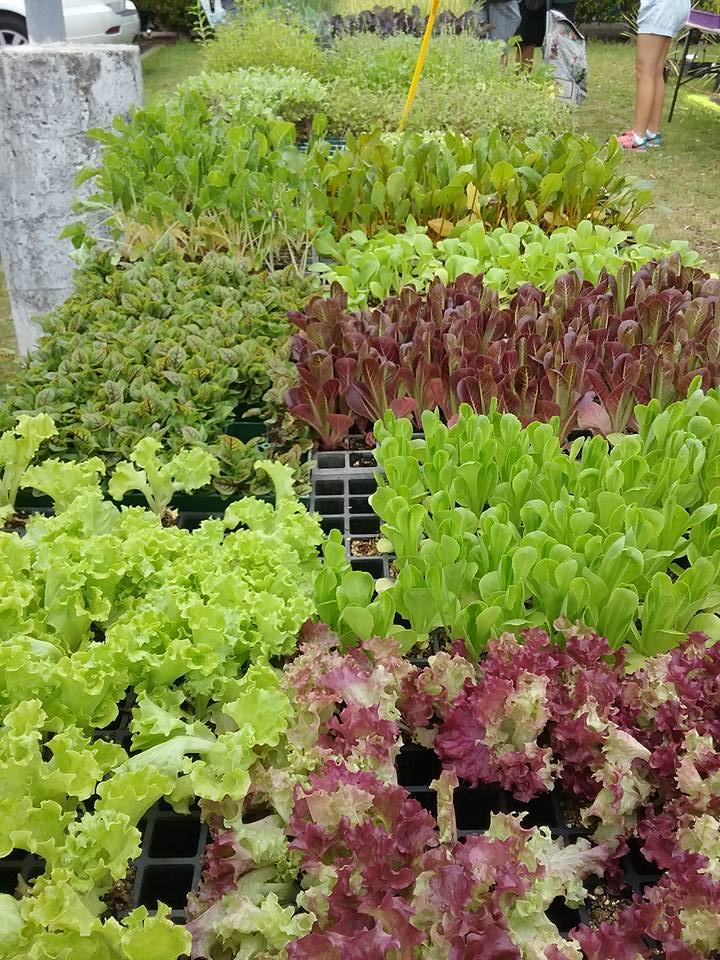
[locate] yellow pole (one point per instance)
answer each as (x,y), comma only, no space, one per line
(434,4)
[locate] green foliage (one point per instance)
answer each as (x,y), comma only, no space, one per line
(183,170)
(18,447)
(366,79)
(463,88)
(373,269)
(96,599)
(246,187)
(264,38)
(284,93)
(63,482)
(496,527)
(187,471)
(179,15)
(552,181)
(163,348)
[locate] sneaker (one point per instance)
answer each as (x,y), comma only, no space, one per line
(654,141)
(628,141)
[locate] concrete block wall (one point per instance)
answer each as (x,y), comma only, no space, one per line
(50,95)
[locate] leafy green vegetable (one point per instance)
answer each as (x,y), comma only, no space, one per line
(496,528)
(376,268)
(63,481)
(59,925)
(180,170)
(187,471)
(263,39)
(183,170)
(285,93)
(463,88)
(378,182)
(97,599)
(18,447)
(165,348)
(586,354)
(360,79)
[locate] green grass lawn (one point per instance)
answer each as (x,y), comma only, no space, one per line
(164,67)
(684,172)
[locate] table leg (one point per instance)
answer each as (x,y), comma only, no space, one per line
(680,76)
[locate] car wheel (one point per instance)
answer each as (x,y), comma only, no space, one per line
(13,30)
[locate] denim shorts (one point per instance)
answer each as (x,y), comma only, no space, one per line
(663,18)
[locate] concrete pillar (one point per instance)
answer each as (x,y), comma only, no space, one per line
(49,97)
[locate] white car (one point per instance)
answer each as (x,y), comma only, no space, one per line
(115,21)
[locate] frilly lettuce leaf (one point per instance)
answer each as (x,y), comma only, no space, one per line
(63,481)
(61,928)
(188,470)
(17,449)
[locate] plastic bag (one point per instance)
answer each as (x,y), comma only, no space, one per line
(564,49)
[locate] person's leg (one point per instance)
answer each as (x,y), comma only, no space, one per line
(649,58)
(526,54)
(530,31)
(659,97)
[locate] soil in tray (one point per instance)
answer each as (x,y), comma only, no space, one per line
(18,519)
(604,907)
(119,900)
(365,460)
(364,548)
(357,442)
(571,807)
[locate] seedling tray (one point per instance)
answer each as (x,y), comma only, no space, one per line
(336,144)
(418,766)
(192,509)
(119,730)
(170,864)
(341,483)
(246,429)
(186,519)
(193,502)
(18,866)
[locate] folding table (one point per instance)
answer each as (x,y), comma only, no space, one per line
(699,24)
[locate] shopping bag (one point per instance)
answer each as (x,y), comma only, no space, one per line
(564,49)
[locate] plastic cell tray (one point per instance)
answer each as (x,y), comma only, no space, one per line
(342,482)
(16,867)
(119,730)
(170,864)
(418,766)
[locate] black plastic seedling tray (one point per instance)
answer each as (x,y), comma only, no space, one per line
(186,519)
(170,865)
(189,516)
(246,429)
(418,766)
(166,871)
(119,730)
(342,481)
(16,867)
